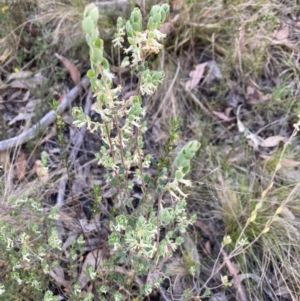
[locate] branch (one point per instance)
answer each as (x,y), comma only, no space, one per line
(46,120)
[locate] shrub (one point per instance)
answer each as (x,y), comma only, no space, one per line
(143,235)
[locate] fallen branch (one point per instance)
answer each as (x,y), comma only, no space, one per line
(46,120)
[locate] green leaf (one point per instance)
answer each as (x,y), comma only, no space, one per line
(253,216)
(136,15)
(141,68)
(136,27)
(129,29)
(166,8)
(95,34)
(130,118)
(136,99)
(278,211)
(258,206)
(226,241)
(119,22)
(94,14)
(185,163)
(98,43)
(178,175)
(151,35)
(155,10)
(157,17)
(114,181)
(87,9)
(105,64)
(179,159)
(97,55)
(157,75)
(163,16)
(266,230)
(90,73)
(88,25)
(167,215)
(186,169)
(150,24)
(146,178)
(131,41)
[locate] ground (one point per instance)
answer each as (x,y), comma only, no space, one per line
(231,75)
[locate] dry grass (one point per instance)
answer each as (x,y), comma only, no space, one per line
(229,176)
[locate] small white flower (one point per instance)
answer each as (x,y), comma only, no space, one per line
(108,74)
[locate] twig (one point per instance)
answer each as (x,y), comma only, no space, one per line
(241,294)
(197,101)
(46,120)
(111,3)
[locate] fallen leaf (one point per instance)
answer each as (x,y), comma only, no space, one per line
(297,25)
(207,248)
(93,259)
(57,274)
(20,167)
(196,75)
(167,28)
(283,292)
(26,96)
(214,72)
(61,97)
(32,104)
(15,95)
(71,237)
(22,115)
(20,75)
(177,4)
(110,192)
(254,95)
(89,226)
(285,43)
(27,83)
(266,97)
(264,156)
(272,141)
(257,140)
(254,139)
(25,113)
(221,115)
(218,297)
(227,111)
(282,33)
(287,213)
(289,163)
(74,72)
(205,230)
